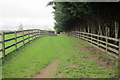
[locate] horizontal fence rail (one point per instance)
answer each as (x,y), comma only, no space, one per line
(24,37)
(110,45)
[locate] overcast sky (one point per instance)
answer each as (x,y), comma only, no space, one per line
(32,12)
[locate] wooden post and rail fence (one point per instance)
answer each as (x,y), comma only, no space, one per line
(110,45)
(107,44)
(25,35)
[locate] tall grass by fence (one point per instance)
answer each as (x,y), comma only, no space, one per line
(16,38)
(108,44)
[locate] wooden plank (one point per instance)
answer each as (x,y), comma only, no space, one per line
(18,31)
(19,36)
(94,42)
(86,33)
(3,44)
(30,33)
(109,38)
(10,46)
(102,41)
(95,35)
(26,38)
(28,30)
(12,32)
(112,39)
(113,45)
(90,37)
(109,44)
(112,49)
(25,30)
(26,42)
(25,34)
(9,39)
(19,41)
(82,36)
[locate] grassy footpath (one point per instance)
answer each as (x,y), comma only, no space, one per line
(75,58)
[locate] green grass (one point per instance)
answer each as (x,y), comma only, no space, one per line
(29,60)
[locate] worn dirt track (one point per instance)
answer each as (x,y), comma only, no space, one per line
(47,72)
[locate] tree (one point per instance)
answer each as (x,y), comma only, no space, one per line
(20,27)
(87,16)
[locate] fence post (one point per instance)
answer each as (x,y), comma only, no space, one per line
(91,36)
(32,34)
(106,39)
(98,35)
(76,34)
(15,40)
(119,49)
(79,34)
(36,33)
(88,34)
(39,32)
(28,36)
(3,44)
(23,37)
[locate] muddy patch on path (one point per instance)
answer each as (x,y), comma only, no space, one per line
(73,66)
(48,72)
(99,57)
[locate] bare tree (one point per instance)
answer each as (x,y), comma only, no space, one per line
(20,27)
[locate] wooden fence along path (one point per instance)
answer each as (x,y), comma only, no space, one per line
(33,33)
(108,44)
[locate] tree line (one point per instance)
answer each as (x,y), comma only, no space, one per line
(94,17)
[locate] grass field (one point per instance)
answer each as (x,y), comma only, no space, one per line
(76,59)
